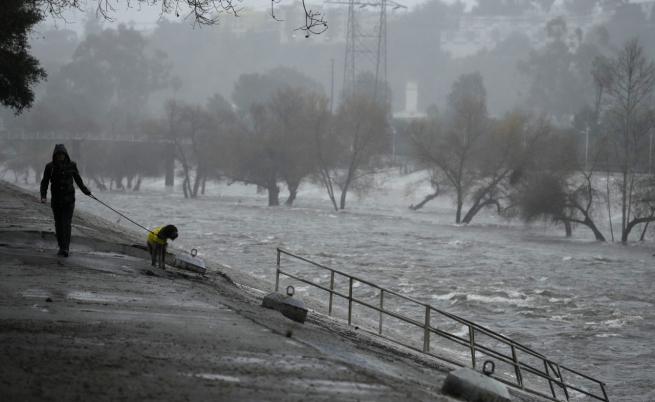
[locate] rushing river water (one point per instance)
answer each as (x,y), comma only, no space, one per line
(585,304)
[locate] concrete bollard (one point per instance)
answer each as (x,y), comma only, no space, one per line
(469,385)
(291,308)
(190,262)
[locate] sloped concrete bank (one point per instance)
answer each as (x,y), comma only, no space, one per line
(104,325)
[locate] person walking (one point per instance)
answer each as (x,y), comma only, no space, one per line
(60,174)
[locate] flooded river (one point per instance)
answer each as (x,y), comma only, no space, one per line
(585,304)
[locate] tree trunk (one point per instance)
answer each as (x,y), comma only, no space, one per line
(169,165)
(204,184)
(427,199)
(342,201)
(273,195)
(599,236)
(472,212)
(344,191)
(184,188)
(568,229)
(460,202)
(329,187)
(293,192)
(632,224)
(137,186)
(643,232)
(477,207)
(197,182)
(588,222)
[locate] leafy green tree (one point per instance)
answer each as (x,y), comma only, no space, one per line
(19,71)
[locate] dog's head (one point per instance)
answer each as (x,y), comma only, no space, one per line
(168,232)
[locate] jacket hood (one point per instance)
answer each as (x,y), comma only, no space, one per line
(60,149)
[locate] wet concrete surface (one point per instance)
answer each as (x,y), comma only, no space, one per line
(104,325)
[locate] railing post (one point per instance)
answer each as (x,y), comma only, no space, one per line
(472,345)
(426,333)
(277,272)
(350,300)
(381,309)
(602,388)
(550,382)
(549,366)
(331,294)
(561,378)
(517,368)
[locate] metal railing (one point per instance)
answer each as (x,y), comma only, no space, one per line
(22,135)
(552,373)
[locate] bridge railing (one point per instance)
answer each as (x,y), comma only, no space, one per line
(529,370)
(22,135)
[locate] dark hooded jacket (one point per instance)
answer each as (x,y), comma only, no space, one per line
(60,176)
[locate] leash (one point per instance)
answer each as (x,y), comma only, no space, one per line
(136,223)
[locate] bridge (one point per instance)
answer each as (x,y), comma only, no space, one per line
(77,140)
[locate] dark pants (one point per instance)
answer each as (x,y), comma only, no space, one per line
(63,214)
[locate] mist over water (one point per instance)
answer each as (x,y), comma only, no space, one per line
(584,304)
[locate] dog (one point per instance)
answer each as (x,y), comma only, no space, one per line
(157,243)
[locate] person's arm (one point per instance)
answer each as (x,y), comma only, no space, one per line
(47,172)
(78,180)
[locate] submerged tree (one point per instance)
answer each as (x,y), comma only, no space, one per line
(296,117)
(555,187)
(452,148)
(476,157)
(630,116)
(362,135)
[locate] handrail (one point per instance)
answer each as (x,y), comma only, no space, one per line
(556,379)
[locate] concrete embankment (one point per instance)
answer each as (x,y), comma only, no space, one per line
(104,325)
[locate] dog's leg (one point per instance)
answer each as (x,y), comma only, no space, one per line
(153,257)
(162,257)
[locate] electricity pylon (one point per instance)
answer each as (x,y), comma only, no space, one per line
(366,44)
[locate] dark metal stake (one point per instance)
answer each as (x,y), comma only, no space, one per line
(350,301)
(517,368)
(426,333)
(552,389)
(277,271)
(331,292)
(472,342)
(381,310)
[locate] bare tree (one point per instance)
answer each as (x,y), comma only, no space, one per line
(479,168)
(362,132)
(202,12)
(629,114)
(452,147)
